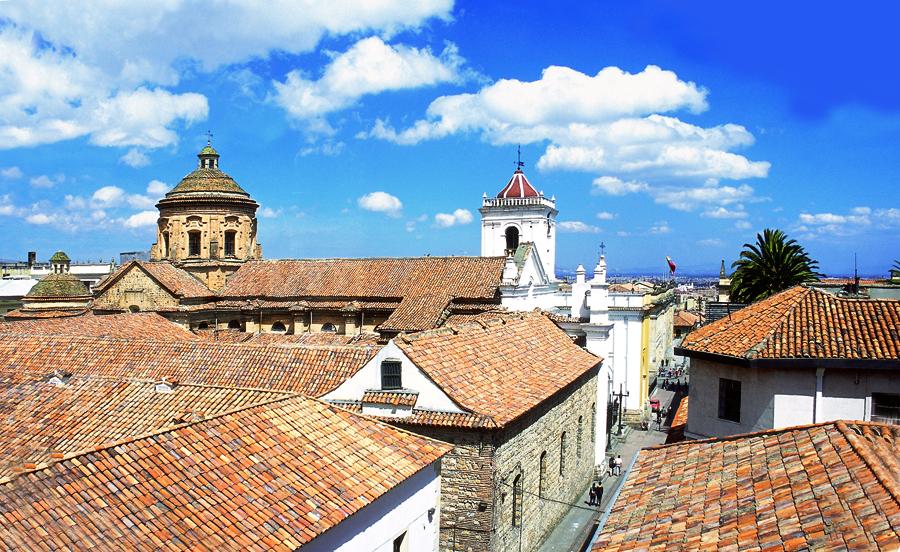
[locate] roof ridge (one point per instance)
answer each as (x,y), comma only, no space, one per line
(199,342)
(889,483)
(737,436)
(124,441)
(385,258)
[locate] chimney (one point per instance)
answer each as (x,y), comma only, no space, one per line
(32,258)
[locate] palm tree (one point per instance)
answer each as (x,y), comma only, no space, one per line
(772,264)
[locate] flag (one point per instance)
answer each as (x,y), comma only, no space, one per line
(671,264)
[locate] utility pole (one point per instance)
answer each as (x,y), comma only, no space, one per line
(621,396)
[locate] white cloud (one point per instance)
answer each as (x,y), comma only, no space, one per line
(457,217)
(139,220)
(743,225)
(51,94)
(381,202)
(157,188)
(65,75)
(44,181)
(856,221)
(723,213)
(612,185)
(7,208)
(39,218)
(691,198)
(153,38)
(108,196)
(610,122)
(576,226)
(710,242)
(135,158)
(137,201)
(268,212)
(661,227)
(370,66)
(11,173)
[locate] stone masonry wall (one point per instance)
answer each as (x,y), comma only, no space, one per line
(138,289)
(519,454)
(466,489)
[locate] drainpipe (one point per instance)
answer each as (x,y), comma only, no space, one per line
(817,401)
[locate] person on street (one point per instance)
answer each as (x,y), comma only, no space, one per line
(599,494)
(617,465)
(592,495)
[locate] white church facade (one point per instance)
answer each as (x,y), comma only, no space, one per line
(631,329)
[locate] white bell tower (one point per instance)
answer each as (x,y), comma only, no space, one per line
(519,214)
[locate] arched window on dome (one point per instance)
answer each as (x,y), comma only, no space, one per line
(329,327)
(134,308)
(234,325)
(279,327)
(512,240)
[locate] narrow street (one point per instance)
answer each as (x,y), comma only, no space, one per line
(574,530)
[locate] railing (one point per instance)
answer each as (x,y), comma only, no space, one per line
(517,201)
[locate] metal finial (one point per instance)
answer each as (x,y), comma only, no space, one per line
(209,137)
(519,162)
(602,249)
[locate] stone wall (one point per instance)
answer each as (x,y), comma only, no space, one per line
(467,500)
(544,503)
(135,288)
(212,222)
(477,475)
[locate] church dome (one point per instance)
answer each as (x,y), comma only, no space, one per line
(63,285)
(518,187)
(207,178)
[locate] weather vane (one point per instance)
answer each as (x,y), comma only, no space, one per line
(519,162)
(209,136)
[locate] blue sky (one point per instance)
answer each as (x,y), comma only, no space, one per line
(662,128)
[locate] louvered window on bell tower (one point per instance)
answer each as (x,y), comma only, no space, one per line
(391,375)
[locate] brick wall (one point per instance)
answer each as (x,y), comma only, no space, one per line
(135,288)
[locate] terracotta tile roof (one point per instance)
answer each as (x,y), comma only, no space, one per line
(176,281)
(308,369)
(679,422)
(144,325)
(315,338)
(685,319)
(40,418)
(391,398)
(804,322)
(223,336)
(832,486)
(267,477)
(424,285)
(19,314)
(424,417)
(499,368)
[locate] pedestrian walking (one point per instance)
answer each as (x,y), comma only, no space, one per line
(592,495)
(599,494)
(612,466)
(617,464)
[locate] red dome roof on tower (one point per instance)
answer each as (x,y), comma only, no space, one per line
(518,186)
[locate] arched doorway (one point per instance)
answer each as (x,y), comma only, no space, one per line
(234,325)
(279,327)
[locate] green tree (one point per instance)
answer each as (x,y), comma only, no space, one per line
(772,264)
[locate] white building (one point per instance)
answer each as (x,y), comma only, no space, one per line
(630,328)
(802,356)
